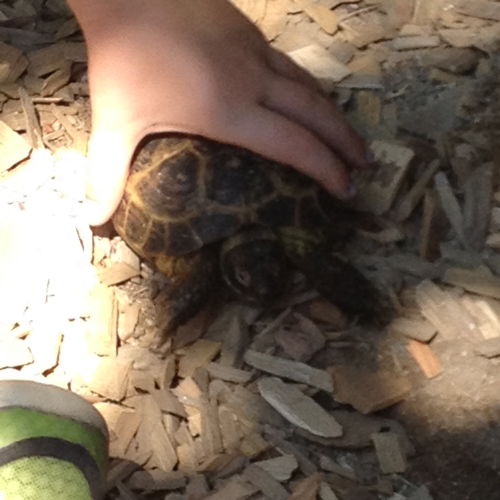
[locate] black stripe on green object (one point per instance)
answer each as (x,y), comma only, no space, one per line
(60,450)
(17,424)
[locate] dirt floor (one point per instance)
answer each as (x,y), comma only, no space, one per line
(417,398)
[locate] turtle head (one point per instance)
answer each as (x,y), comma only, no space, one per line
(254,266)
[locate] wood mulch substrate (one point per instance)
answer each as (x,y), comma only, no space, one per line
(294,402)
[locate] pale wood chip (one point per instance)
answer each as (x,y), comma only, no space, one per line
(33,126)
(189,389)
(211,437)
(261,479)
(430,236)
(326,312)
(197,488)
(281,468)
(477,207)
(442,309)
(293,370)
(484,39)
(153,436)
(59,7)
(237,489)
(363,34)
(328,464)
(253,9)
(253,444)
(450,205)
(228,373)
(122,424)
(360,81)
(415,328)
(123,253)
(489,348)
(326,492)
(326,68)
(126,493)
(119,471)
(307,489)
(425,358)
(368,109)
(483,9)
(426,11)
(229,429)
(44,342)
(14,353)
(157,480)
(199,354)
(188,460)
(367,391)
(421,493)
(47,60)
(365,65)
(298,408)
(415,42)
(127,320)
(474,281)
(399,12)
(493,241)
(377,188)
(485,313)
(451,59)
(390,453)
(192,330)
(306,466)
(169,371)
(275,19)
(103,332)
(75,52)
(252,408)
(13,147)
(301,340)
(110,379)
(56,80)
(326,18)
(231,328)
(385,236)
(142,380)
(68,28)
(417,191)
(116,272)
(168,403)
(11,62)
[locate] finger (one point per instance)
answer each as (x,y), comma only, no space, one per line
(109,156)
(316,112)
(285,141)
(282,65)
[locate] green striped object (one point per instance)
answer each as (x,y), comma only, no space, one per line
(53,444)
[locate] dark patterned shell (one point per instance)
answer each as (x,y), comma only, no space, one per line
(184,192)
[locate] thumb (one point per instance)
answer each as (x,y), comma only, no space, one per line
(109,158)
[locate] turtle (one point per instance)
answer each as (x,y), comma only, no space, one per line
(207,213)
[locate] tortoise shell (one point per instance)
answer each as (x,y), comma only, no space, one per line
(185,192)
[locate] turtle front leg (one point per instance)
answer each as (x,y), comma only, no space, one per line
(336,280)
(193,278)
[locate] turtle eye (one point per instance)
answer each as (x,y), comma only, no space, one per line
(243,276)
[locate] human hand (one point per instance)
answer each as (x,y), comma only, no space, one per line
(200,67)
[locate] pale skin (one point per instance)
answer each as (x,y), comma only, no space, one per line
(199,66)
